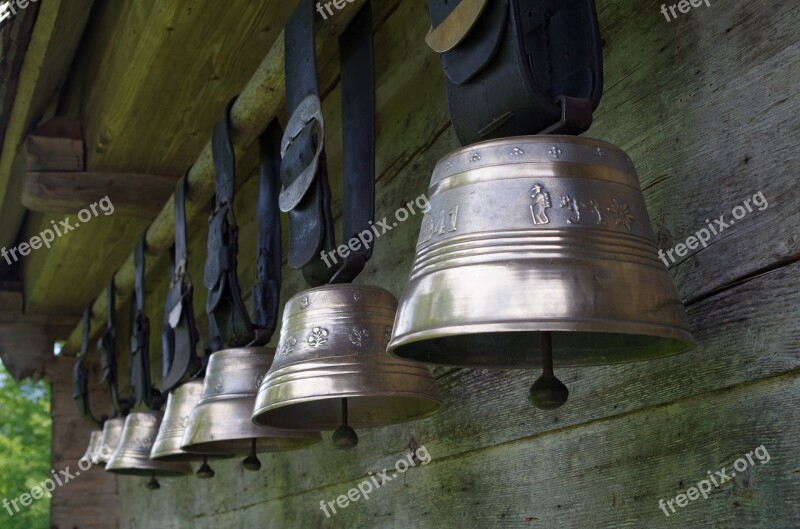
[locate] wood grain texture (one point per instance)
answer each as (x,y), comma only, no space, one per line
(58,30)
(91,499)
(132,195)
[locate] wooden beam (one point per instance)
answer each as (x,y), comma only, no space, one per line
(55,146)
(260,101)
(56,35)
(133,195)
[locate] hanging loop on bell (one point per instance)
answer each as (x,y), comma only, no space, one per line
(80,375)
(306,194)
(179,333)
(228,321)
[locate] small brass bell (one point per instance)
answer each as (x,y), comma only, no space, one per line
(538,251)
(167,447)
(112,432)
(95,445)
(332,371)
(132,456)
(221,424)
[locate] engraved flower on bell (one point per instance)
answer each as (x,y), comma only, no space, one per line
(622,215)
(360,337)
(318,336)
(288,345)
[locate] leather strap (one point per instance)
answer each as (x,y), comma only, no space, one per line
(80,376)
(108,344)
(306,194)
(508,69)
(179,335)
(140,335)
(267,290)
(228,322)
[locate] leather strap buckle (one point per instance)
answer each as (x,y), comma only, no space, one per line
(306,129)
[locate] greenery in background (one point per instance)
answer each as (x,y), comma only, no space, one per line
(24,449)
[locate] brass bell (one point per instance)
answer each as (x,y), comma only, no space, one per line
(167,446)
(221,424)
(538,251)
(332,368)
(95,445)
(132,456)
(112,432)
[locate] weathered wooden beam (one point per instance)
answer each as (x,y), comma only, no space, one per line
(260,101)
(56,35)
(134,195)
(26,347)
(55,146)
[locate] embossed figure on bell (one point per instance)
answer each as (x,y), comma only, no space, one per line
(553,262)
(541,203)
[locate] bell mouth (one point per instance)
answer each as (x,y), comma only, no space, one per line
(224,427)
(263,445)
(181,456)
(363,411)
(147,473)
(476,347)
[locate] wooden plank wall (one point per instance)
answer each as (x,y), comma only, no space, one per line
(706,107)
(89,500)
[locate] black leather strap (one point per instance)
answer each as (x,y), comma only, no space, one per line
(108,344)
(80,376)
(179,334)
(506,76)
(267,290)
(228,322)
(140,335)
(306,192)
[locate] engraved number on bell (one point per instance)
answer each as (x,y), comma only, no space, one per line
(447,222)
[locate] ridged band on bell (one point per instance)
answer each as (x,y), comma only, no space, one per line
(112,433)
(132,456)
(95,447)
(533,234)
(180,404)
(221,421)
(333,347)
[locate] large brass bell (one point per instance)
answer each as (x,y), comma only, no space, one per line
(538,251)
(132,456)
(112,433)
(332,370)
(95,447)
(167,446)
(221,423)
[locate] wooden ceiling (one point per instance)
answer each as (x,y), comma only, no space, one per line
(148,81)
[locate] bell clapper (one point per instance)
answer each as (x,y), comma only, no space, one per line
(251,462)
(153,484)
(205,471)
(344,437)
(548,392)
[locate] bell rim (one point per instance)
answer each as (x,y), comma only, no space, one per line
(198,438)
(263,412)
(290,444)
(682,337)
